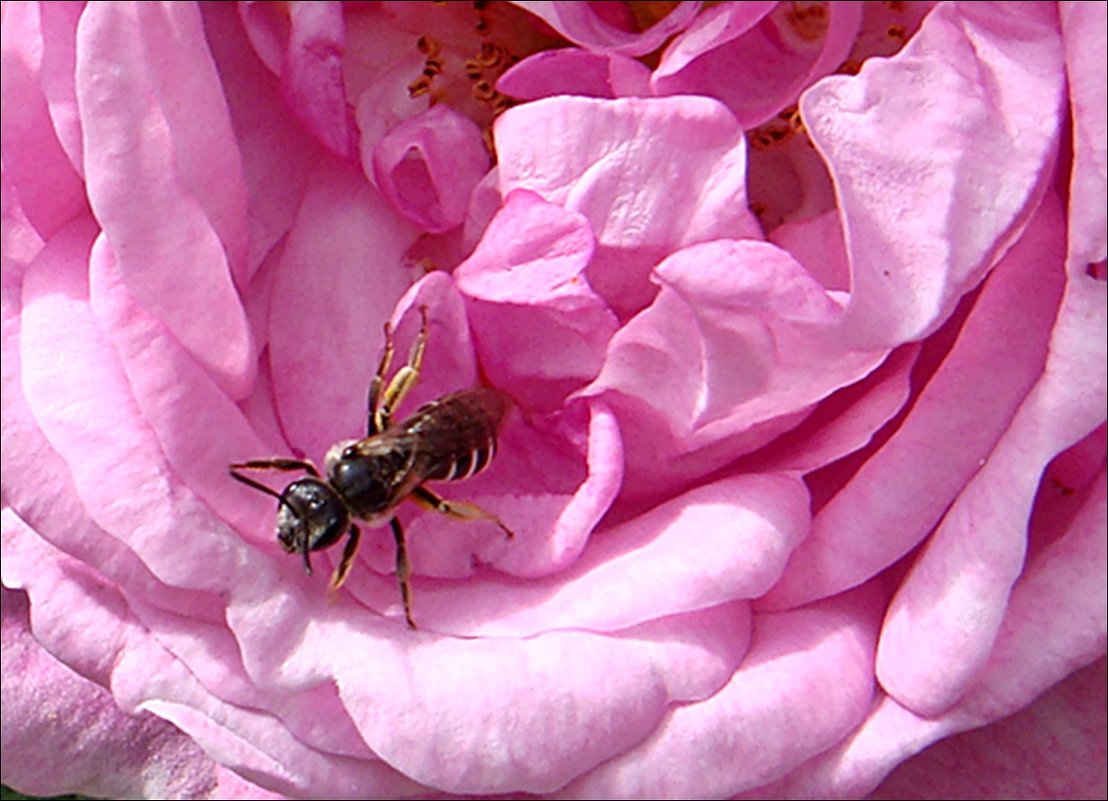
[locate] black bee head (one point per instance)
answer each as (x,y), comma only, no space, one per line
(311,516)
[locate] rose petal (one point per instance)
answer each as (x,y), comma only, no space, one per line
(525,285)
(578,72)
(1062,584)
(737,337)
(894,500)
(164,177)
(149,758)
(79,615)
(277,155)
(588,26)
(697,750)
(428,166)
(311,75)
(725,541)
(934,177)
(338,280)
(757,57)
(955,597)
(80,397)
(34,161)
(500,715)
(611,161)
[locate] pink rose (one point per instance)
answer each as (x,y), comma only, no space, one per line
(806,469)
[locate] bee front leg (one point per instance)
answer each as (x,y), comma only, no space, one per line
(403,570)
(459,510)
(349,551)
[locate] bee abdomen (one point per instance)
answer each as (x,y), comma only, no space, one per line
(467,464)
(458,433)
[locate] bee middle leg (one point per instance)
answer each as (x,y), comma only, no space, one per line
(403,570)
(383,399)
(459,510)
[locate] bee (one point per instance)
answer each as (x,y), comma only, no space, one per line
(449,439)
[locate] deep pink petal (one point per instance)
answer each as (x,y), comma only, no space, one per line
(598,30)
(428,166)
(164,176)
(36,165)
(577,72)
(311,75)
(757,57)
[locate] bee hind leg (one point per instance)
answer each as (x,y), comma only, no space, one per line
(383,399)
(459,510)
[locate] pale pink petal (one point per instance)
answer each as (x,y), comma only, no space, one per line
(164,177)
(1052,749)
(717,543)
(576,72)
(737,338)
(88,619)
(1055,624)
(525,285)
(606,160)
(1086,40)
(38,168)
(338,279)
(147,757)
(511,715)
(608,28)
(277,154)
(177,399)
(895,499)
(758,726)
(952,604)
(428,166)
(757,57)
(939,156)
(844,422)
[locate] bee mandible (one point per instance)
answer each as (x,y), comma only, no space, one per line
(449,439)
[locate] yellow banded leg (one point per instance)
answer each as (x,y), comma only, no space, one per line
(405,377)
(376,424)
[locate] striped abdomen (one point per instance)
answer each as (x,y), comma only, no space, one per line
(456,435)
